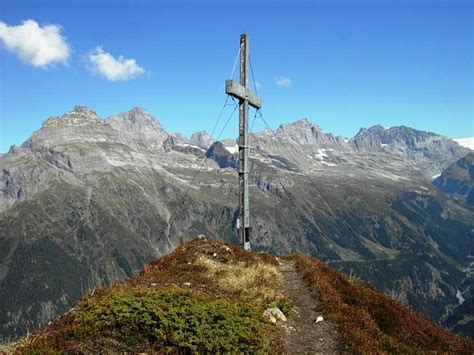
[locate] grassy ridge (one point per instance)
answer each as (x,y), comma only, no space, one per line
(372,322)
(204,297)
(209,297)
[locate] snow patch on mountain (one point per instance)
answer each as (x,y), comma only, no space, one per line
(328,164)
(321,154)
(232,149)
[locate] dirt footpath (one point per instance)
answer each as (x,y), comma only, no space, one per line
(304,335)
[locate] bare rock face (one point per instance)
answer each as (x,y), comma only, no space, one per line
(57,159)
(9,187)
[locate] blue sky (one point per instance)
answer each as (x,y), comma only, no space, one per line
(351,64)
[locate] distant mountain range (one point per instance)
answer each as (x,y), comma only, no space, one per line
(85,202)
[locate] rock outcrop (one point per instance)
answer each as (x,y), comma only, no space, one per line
(80,116)
(224,156)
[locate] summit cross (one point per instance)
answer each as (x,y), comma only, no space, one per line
(246,98)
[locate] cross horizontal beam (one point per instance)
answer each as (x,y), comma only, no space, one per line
(238,91)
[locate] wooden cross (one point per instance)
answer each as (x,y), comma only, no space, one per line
(246,98)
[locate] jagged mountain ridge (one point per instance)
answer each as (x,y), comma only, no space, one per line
(425,152)
(100,198)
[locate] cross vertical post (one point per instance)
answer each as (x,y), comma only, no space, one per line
(246,98)
(244,148)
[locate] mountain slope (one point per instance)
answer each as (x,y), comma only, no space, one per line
(106,198)
(457,180)
(461,318)
(371,322)
(208,296)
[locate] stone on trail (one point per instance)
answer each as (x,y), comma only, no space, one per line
(274,314)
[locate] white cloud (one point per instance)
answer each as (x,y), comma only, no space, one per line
(35,45)
(106,65)
(282,81)
(466,142)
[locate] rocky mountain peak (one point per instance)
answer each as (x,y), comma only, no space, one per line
(138,109)
(78,109)
(141,126)
(373,131)
(136,119)
(202,139)
(304,123)
(180,143)
(223,154)
(79,116)
(377,129)
(304,132)
(394,135)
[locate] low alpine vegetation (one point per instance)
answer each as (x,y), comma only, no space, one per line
(204,297)
(208,297)
(371,322)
